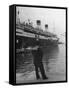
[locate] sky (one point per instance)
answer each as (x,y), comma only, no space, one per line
(55,18)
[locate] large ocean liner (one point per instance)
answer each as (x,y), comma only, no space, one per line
(27,35)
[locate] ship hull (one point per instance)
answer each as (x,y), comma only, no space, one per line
(26,42)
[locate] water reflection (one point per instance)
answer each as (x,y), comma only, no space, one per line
(50,56)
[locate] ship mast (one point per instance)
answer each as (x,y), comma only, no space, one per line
(17,17)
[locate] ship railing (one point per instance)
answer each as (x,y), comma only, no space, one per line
(35,30)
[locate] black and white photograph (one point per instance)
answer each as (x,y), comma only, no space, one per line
(40,44)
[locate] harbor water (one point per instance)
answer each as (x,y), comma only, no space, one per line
(54,62)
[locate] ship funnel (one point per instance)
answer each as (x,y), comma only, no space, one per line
(46,27)
(38,22)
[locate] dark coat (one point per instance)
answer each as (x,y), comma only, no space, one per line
(37,56)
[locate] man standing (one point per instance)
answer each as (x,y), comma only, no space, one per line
(37,60)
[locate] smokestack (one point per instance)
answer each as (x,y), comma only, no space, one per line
(38,22)
(46,27)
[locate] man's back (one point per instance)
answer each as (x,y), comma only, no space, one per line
(37,54)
